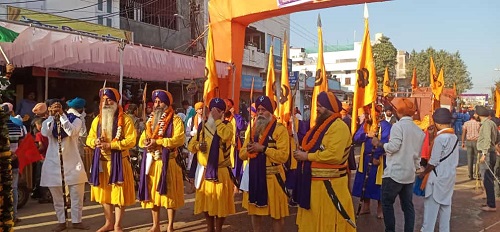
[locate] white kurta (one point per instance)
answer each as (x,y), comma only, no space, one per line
(74,171)
(440,186)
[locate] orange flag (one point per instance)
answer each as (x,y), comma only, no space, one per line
(386,88)
(414,81)
(497,104)
(271,79)
(212,82)
(365,88)
(395,85)
(320,83)
(454,89)
(438,85)
(285,103)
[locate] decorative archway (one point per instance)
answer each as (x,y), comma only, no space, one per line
(229,18)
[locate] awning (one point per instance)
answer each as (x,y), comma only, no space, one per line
(56,49)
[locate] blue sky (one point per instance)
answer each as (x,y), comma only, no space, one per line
(470,27)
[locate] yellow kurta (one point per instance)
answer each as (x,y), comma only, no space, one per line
(215,198)
(323,216)
(234,144)
(277,206)
(175,184)
(122,194)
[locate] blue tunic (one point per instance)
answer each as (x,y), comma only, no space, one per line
(372,190)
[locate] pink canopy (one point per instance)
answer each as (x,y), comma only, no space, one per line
(54,49)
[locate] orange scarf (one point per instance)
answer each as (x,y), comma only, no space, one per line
(166,118)
(306,146)
(426,177)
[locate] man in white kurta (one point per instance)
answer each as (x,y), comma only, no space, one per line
(74,172)
(442,172)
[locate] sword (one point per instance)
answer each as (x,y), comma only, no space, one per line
(337,204)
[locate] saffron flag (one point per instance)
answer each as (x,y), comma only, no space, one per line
(438,85)
(271,79)
(386,88)
(497,104)
(414,81)
(365,88)
(7,35)
(454,89)
(27,152)
(212,82)
(434,80)
(395,85)
(320,83)
(285,102)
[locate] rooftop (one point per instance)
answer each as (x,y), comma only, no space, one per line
(332,48)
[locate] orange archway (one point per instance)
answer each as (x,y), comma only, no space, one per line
(229,18)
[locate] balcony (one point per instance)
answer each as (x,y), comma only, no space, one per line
(254,57)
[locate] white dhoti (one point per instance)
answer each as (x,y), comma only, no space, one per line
(76,193)
(431,210)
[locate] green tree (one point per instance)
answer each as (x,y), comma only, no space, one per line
(385,55)
(455,70)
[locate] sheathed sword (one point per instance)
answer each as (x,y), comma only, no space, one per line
(337,204)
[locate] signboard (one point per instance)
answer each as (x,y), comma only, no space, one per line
(293,77)
(246,83)
(332,84)
(285,3)
(66,24)
(277,64)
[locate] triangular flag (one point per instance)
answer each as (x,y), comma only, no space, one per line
(271,78)
(7,35)
(212,82)
(365,88)
(320,83)
(414,81)
(285,102)
(27,152)
(438,85)
(454,89)
(386,88)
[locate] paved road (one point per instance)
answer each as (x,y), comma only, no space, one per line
(466,215)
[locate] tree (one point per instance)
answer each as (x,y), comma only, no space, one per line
(455,70)
(385,55)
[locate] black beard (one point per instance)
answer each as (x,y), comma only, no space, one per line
(322,118)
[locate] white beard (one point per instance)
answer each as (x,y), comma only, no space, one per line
(261,124)
(157,113)
(210,124)
(107,120)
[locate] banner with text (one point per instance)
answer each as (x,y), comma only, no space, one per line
(285,3)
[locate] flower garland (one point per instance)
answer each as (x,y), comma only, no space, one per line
(262,138)
(6,200)
(159,131)
(306,146)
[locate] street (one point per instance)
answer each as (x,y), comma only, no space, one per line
(466,214)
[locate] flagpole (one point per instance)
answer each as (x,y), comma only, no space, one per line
(4,56)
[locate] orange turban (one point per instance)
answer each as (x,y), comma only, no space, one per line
(404,106)
(111,93)
(198,105)
(40,108)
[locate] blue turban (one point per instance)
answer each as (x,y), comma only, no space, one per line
(76,103)
(265,102)
(111,93)
(218,103)
(163,95)
(330,101)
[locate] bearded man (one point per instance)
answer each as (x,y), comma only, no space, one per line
(322,191)
(161,183)
(62,131)
(266,148)
(214,194)
(112,134)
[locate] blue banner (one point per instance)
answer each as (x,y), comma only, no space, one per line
(246,83)
(277,64)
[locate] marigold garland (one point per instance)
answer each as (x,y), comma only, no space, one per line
(262,138)
(159,131)
(306,146)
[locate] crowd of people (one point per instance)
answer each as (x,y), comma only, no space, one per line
(276,163)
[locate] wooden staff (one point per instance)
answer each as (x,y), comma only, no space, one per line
(61,160)
(251,101)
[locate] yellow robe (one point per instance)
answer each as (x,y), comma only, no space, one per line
(277,206)
(175,184)
(115,194)
(215,198)
(323,216)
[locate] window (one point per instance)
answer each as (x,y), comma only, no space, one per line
(100,20)
(99,5)
(109,5)
(159,13)
(109,22)
(347,81)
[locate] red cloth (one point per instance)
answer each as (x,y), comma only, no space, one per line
(27,152)
(45,142)
(426,149)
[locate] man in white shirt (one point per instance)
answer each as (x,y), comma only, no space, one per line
(402,160)
(74,172)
